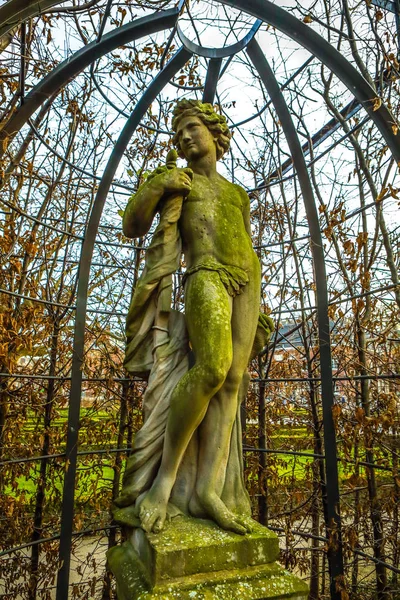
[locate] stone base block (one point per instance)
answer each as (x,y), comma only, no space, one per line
(194,559)
(190,546)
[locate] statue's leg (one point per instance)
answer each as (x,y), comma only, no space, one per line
(216,428)
(208,315)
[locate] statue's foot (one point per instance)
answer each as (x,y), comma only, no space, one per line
(196,509)
(153,509)
(218,512)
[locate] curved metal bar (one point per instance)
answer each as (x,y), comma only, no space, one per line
(119,110)
(73,65)
(172,67)
(69,163)
(283,86)
(326,53)
(218,52)
(14,12)
(332,516)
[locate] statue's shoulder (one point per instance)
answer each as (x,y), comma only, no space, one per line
(235,193)
(230,185)
(243,195)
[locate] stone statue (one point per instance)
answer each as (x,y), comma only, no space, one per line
(187,458)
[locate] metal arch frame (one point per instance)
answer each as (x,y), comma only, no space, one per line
(328,55)
(176,63)
(71,67)
(218,52)
(262,9)
(360,88)
(331,506)
(15,11)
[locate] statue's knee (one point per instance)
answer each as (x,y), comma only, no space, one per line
(216,372)
(233,381)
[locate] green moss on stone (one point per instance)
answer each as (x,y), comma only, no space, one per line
(188,546)
(194,559)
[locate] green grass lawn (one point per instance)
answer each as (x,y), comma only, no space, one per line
(95,473)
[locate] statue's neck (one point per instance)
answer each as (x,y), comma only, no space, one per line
(206,166)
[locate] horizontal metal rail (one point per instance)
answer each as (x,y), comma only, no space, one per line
(89,531)
(283,451)
(317,379)
(253,380)
(274,312)
(31,299)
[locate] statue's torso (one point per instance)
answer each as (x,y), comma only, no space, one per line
(212,224)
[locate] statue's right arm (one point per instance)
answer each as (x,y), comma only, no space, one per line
(142,207)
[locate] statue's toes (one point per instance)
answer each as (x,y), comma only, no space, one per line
(245,523)
(151,520)
(145,516)
(237,528)
(158,525)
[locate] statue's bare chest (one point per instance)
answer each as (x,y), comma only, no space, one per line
(212,197)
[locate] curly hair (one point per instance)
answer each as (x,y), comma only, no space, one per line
(215,123)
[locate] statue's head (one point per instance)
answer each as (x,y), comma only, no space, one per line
(214,122)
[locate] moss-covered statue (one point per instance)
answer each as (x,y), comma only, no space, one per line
(187,458)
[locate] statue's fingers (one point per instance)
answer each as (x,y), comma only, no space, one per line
(189,172)
(186,179)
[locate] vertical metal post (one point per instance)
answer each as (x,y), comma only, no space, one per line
(262,457)
(397,19)
(210,87)
(22,65)
(333,525)
(67,511)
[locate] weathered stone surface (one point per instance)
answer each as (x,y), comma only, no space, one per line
(189,451)
(194,559)
(264,582)
(189,546)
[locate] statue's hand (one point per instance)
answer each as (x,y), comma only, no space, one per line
(176,181)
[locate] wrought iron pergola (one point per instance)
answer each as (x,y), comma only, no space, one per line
(16,12)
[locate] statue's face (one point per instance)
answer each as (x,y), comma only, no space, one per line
(195,139)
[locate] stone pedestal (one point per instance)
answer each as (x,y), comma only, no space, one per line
(193,558)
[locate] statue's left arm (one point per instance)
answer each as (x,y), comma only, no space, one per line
(245,209)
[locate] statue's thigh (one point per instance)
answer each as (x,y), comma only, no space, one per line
(208,310)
